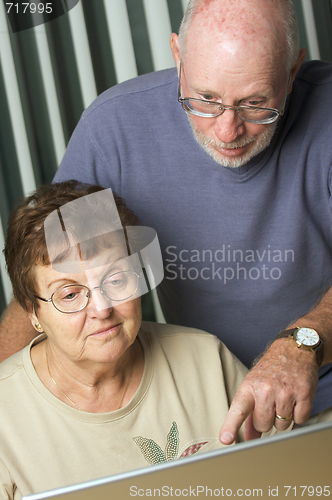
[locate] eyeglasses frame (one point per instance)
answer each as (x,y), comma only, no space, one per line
(89,290)
(226,106)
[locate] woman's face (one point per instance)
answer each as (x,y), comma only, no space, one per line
(101,332)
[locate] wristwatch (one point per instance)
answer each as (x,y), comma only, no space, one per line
(305,338)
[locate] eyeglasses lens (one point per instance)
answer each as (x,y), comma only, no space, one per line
(73,298)
(120,286)
(208,109)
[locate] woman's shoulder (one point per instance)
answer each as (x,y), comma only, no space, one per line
(175,335)
(11,365)
(197,346)
(165,329)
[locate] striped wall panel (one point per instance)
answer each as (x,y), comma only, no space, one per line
(51,72)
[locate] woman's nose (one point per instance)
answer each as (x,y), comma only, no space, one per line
(99,305)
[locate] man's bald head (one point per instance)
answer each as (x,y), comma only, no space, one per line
(270,23)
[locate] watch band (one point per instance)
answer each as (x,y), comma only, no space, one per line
(318,350)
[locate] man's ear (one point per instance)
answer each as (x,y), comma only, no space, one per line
(175,48)
(298,64)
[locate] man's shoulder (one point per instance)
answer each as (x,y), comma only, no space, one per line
(143,85)
(317,72)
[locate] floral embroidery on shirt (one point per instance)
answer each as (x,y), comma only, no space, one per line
(155,455)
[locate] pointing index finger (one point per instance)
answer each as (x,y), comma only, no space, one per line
(239,410)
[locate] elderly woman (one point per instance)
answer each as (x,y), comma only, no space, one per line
(98,391)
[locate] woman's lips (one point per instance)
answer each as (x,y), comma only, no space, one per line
(105,331)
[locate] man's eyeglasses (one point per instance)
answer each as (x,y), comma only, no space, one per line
(212,109)
(74,298)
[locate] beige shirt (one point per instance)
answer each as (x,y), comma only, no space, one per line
(188,382)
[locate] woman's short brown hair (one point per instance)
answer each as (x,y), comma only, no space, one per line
(25,243)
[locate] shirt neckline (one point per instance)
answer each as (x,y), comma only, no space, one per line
(83,415)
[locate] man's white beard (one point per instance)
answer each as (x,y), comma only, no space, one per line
(261,141)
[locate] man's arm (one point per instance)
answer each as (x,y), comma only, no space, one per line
(16,330)
(283,382)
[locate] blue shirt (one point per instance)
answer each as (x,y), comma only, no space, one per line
(246,251)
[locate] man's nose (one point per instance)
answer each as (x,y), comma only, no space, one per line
(228,126)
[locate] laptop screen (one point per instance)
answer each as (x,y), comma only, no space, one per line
(296,464)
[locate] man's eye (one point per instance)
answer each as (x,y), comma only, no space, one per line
(207,97)
(254,103)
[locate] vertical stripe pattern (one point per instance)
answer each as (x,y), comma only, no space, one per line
(51,72)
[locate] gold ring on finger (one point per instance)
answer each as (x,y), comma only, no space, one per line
(284,418)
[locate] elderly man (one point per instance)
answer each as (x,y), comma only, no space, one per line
(237,185)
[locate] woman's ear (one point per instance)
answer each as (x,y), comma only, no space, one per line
(34,319)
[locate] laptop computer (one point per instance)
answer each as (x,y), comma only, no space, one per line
(290,465)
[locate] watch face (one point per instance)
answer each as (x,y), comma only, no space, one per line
(307,336)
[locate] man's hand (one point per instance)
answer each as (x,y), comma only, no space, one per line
(16,330)
(283,383)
